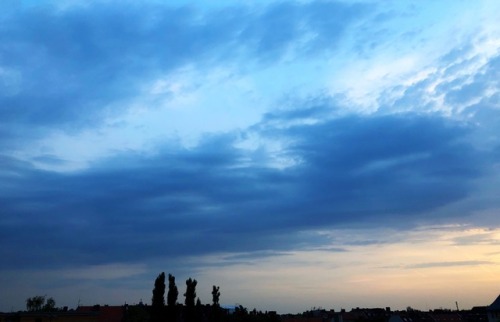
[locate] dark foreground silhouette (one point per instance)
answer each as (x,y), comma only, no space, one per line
(42,309)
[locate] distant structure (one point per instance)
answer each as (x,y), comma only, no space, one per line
(494,311)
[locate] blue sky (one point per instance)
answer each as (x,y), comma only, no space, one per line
(298,154)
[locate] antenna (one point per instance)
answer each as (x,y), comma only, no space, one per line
(456,303)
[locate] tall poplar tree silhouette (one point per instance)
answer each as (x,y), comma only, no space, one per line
(190,292)
(158,300)
(189,301)
(172,295)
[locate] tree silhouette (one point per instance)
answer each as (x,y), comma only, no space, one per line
(189,301)
(215,312)
(190,292)
(50,305)
(173,293)
(39,303)
(158,300)
(240,314)
(35,303)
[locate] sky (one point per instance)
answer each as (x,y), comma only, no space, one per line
(297,154)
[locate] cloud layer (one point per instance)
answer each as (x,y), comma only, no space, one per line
(132,135)
(380,170)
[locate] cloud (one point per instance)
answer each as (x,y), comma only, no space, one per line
(485,238)
(376,170)
(254,255)
(327,167)
(104,272)
(189,137)
(398,157)
(449,264)
(52,59)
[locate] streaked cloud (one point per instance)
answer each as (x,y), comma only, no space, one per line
(103,272)
(449,264)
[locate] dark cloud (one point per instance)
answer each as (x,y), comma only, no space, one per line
(379,171)
(372,159)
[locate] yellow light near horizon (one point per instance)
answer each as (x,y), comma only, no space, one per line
(425,269)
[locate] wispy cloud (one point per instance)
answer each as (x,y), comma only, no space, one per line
(449,264)
(104,272)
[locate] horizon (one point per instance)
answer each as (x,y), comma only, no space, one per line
(179,301)
(294,153)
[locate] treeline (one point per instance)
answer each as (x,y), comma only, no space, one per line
(192,310)
(40,304)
